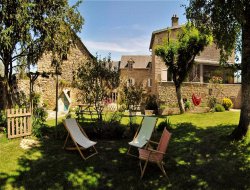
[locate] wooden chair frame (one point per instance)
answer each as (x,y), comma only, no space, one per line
(159,163)
(77,147)
(136,134)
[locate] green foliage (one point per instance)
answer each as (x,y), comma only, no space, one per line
(219,108)
(187,105)
(36,99)
(164,124)
(114,117)
(132,96)
(151,103)
(223,18)
(29,28)
(96,79)
(39,117)
(227,103)
(179,54)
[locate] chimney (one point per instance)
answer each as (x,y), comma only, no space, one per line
(175,20)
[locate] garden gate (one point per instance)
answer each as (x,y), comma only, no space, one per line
(19,122)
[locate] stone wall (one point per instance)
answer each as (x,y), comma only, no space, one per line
(167,94)
(46,87)
(140,76)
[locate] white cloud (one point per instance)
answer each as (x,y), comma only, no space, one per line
(132,46)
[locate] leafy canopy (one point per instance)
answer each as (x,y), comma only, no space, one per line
(178,54)
(28,28)
(97,79)
(223,18)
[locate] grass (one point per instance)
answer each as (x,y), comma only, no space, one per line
(200,156)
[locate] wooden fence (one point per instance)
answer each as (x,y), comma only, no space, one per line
(19,122)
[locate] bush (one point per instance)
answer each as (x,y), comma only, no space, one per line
(164,124)
(187,105)
(219,108)
(227,103)
(151,103)
(39,117)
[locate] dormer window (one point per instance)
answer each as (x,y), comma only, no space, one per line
(149,65)
(130,64)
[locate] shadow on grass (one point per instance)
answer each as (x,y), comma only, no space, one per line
(196,159)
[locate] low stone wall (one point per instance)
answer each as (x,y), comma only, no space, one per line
(47,89)
(167,94)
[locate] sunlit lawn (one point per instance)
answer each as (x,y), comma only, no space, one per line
(200,156)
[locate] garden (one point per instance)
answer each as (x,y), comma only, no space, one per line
(206,150)
(200,156)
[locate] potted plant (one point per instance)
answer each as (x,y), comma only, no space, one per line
(151,106)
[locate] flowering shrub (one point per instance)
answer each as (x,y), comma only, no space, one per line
(219,108)
(227,103)
(215,79)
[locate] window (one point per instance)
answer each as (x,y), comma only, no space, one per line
(169,75)
(130,82)
(166,75)
(150,81)
(130,66)
(113,96)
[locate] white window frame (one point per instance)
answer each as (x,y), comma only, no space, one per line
(130,82)
(150,81)
(166,76)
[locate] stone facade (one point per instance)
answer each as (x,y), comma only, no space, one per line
(167,94)
(46,87)
(207,65)
(139,72)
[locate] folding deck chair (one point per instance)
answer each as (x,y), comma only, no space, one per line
(155,156)
(79,138)
(143,133)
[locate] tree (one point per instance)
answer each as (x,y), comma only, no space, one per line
(29,28)
(179,55)
(97,79)
(229,21)
(132,96)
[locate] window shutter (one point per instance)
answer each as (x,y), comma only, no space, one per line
(164,75)
(133,81)
(149,82)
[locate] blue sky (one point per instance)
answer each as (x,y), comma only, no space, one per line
(125,27)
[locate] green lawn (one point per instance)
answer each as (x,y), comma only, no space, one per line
(200,156)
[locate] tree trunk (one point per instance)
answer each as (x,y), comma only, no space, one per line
(179,98)
(4,95)
(244,122)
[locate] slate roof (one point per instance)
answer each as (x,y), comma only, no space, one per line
(140,61)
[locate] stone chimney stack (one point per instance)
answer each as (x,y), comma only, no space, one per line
(175,20)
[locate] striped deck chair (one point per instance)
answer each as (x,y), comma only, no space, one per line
(79,138)
(156,156)
(143,133)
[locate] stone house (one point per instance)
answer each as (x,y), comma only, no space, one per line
(137,69)
(207,65)
(46,87)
